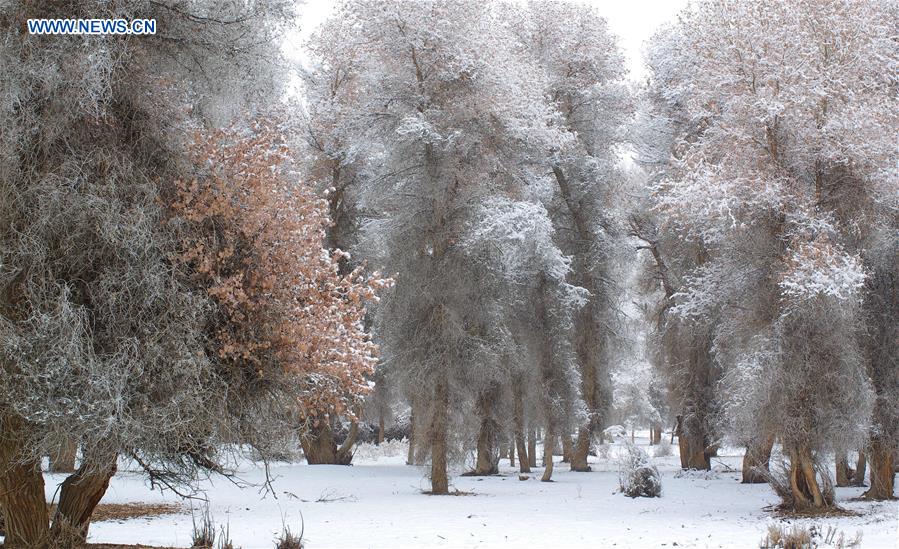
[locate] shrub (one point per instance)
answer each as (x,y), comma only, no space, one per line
(288,540)
(638,477)
(800,536)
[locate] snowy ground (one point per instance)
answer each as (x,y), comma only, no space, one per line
(378,502)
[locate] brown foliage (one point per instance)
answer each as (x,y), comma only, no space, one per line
(253,239)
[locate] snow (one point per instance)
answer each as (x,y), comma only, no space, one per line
(378,502)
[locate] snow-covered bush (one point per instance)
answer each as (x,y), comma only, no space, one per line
(638,477)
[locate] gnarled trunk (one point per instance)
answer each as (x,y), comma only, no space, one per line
(883,471)
(320,447)
(756,460)
(518,427)
(804,485)
(26,519)
(439,479)
(79,496)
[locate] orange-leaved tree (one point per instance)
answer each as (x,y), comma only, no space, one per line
(252,238)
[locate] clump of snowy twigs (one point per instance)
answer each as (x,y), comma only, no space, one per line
(807,537)
(637,476)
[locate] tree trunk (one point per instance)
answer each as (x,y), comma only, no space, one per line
(858,479)
(63,459)
(345,451)
(883,471)
(532,447)
(692,446)
(757,457)
(26,519)
(843,472)
(548,441)
(410,458)
(566,448)
(804,485)
(439,479)
(381,428)
(488,459)
(518,427)
(511,453)
(655,436)
(79,496)
(581,450)
(319,446)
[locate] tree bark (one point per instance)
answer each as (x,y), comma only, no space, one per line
(532,447)
(518,427)
(439,479)
(320,448)
(381,428)
(843,471)
(512,453)
(26,519)
(410,457)
(566,448)
(693,446)
(804,485)
(80,494)
(858,479)
(548,441)
(883,471)
(487,459)
(757,458)
(63,459)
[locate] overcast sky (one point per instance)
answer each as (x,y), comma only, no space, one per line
(633,21)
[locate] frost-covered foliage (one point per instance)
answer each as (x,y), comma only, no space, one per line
(102,339)
(441,126)
(637,476)
(780,119)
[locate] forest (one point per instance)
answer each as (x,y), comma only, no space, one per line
(458,251)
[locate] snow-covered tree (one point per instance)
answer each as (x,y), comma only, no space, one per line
(583,73)
(783,159)
(101,336)
(443,126)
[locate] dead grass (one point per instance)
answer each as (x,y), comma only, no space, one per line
(127,511)
(786,511)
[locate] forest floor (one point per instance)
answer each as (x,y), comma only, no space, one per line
(379,502)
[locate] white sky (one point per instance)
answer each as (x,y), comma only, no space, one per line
(633,21)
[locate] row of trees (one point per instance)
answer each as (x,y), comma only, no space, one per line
(491,184)
(472,151)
